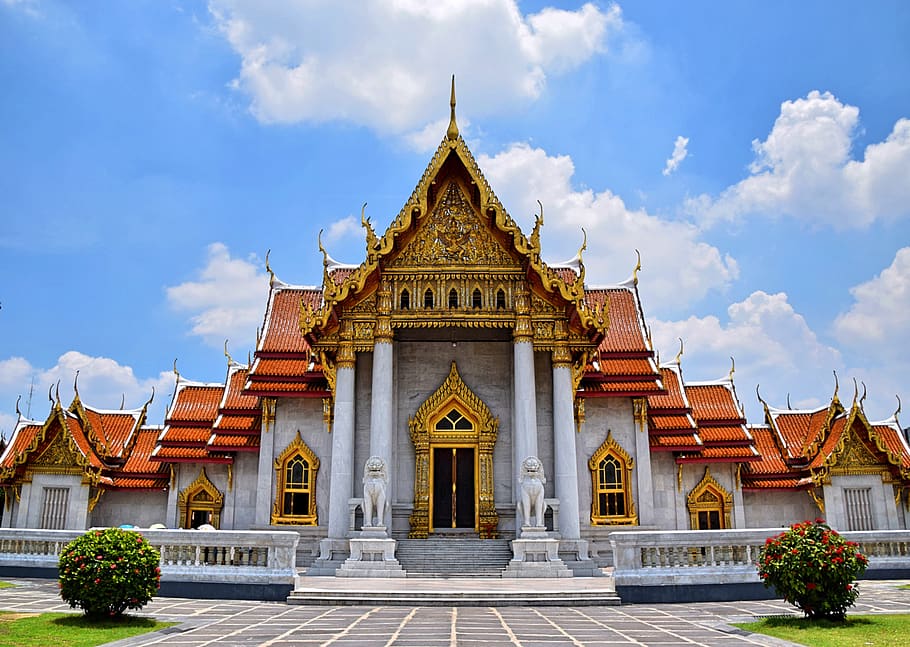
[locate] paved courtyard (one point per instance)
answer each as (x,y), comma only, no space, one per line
(228,623)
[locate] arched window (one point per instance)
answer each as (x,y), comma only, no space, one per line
(500,299)
(405,300)
(295,500)
(428,298)
(709,505)
(611,481)
(476,299)
(454,421)
(453,298)
(200,503)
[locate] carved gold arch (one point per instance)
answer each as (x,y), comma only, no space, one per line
(453,394)
(201,494)
(706,496)
(599,515)
(296,448)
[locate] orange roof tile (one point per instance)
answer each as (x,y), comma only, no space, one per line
(184,434)
(773,484)
(138,461)
(196,402)
(724,434)
(626,332)
(723,454)
(893,438)
(627,367)
(282,367)
(666,442)
(772,461)
(132,483)
(227,443)
(234,399)
(712,402)
(186,454)
(22,437)
(663,422)
(285,388)
(238,423)
(281,329)
(674,398)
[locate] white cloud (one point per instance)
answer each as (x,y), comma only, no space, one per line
(227,300)
(679,154)
(385,63)
(679,267)
(103,383)
(879,319)
(341,229)
(771,342)
(804,170)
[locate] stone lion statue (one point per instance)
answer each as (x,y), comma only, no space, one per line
(531,505)
(375,484)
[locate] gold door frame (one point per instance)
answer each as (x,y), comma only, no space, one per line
(431,486)
(454,394)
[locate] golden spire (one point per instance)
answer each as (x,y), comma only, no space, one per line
(18,412)
(637,268)
(230,359)
(535,233)
(732,368)
(680,353)
(452,132)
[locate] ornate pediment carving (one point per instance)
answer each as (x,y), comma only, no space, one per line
(59,453)
(454,234)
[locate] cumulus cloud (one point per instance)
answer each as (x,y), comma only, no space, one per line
(679,154)
(379,64)
(804,170)
(680,267)
(103,383)
(771,342)
(879,319)
(341,229)
(227,299)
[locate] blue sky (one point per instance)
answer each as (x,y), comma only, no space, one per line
(758,154)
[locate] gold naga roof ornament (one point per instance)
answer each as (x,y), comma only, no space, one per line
(678,359)
(637,268)
(732,368)
(372,239)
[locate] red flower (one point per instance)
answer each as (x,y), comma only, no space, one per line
(811,586)
(849,587)
(97,580)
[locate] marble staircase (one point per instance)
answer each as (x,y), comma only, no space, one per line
(451,557)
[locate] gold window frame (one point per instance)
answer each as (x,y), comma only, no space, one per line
(296,448)
(201,494)
(708,496)
(610,448)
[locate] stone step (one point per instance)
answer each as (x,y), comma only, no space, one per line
(442,557)
(456,598)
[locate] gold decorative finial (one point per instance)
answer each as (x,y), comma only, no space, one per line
(788,401)
(325,254)
(680,353)
(366,224)
(151,399)
(758,395)
(122,401)
(584,243)
(637,268)
(76,385)
(855,391)
(732,368)
(57,392)
(898,410)
(864,394)
(50,393)
(176,372)
(268,268)
(452,132)
(836,386)
(18,412)
(535,233)
(227,354)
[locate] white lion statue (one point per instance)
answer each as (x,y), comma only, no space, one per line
(532,505)
(375,484)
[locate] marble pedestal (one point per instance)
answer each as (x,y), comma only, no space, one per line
(536,554)
(372,555)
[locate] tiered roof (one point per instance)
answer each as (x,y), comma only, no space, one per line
(800,448)
(285,365)
(110,447)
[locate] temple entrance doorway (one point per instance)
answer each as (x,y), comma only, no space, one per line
(454,502)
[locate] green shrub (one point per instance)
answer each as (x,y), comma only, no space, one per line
(813,568)
(105,572)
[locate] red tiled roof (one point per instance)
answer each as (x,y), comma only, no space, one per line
(248,424)
(625,333)
(183,434)
(713,402)
(281,330)
(196,403)
(286,388)
(892,437)
(661,422)
(724,434)
(773,484)
(772,461)
(275,367)
(138,460)
(228,443)
(673,442)
(187,454)
(722,454)
(673,398)
(133,483)
(234,399)
(23,435)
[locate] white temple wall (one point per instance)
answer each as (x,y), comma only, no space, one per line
(666,492)
(882,511)
(32,501)
(421,367)
(304,415)
(187,473)
(363,390)
(140,509)
(543,382)
(603,415)
(778,509)
(241,498)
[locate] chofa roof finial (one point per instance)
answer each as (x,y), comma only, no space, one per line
(732,368)
(680,353)
(637,268)
(227,354)
(452,131)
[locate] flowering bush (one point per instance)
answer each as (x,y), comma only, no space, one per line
(813,568)
(105,572)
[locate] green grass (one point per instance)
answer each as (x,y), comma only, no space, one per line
(6,585)
(863,631)
(904,587)
(69,629)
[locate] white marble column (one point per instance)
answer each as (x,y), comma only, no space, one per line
(565,463)
(524,438)
(341,484)
(381,406)
(265,478)
(645,503)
